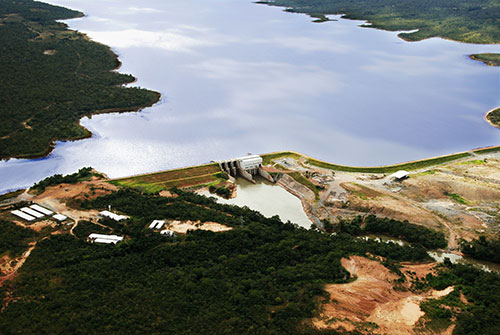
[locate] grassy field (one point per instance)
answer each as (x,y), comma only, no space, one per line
(487,58)
(487,150)
(185,177)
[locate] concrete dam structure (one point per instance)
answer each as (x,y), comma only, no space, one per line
(247,167)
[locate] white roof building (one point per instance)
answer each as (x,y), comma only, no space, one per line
(113,216)
(23,215)
(156,224)
(59,217)
(250,162)
(401,174)
(106,239)
(32,212)
(41,209)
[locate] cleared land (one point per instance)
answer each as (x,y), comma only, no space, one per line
(370,304)
(460,198)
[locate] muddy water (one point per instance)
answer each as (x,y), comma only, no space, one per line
(269,199)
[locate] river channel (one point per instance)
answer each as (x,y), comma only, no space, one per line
(239,77)
(439,256)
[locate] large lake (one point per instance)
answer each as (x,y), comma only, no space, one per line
(238,77)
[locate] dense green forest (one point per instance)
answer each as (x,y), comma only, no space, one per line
(262,277)
(482,248)
(14,239)
(471,21)
(52,77)
(477,314)
(406,231)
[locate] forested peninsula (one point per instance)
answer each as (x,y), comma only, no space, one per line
(52,77)
(476,21)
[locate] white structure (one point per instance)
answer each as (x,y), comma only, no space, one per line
(32,212)
(113,216)
(59,217)
(247,167)
(105,239)
(41,209)
(399,175)
(23,215)
(250,162)
(156,224)
(168,232)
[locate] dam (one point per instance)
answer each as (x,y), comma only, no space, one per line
(246,167)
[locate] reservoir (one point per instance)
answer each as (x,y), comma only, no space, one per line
(238,77)
(269,199)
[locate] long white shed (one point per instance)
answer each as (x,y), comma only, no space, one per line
(32,212)
(113,216)
(41,209)
(101,238)
(23,215)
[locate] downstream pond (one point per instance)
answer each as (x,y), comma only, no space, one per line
(240,77)
(269,199)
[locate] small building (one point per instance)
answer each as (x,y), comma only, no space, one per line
(399,175)
(157,224)
(113,216)
(104,239)
(59,217)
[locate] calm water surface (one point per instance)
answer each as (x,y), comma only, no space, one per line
(237,77)
(269,199)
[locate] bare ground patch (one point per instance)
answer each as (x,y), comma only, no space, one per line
(371,300)
(182,227)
